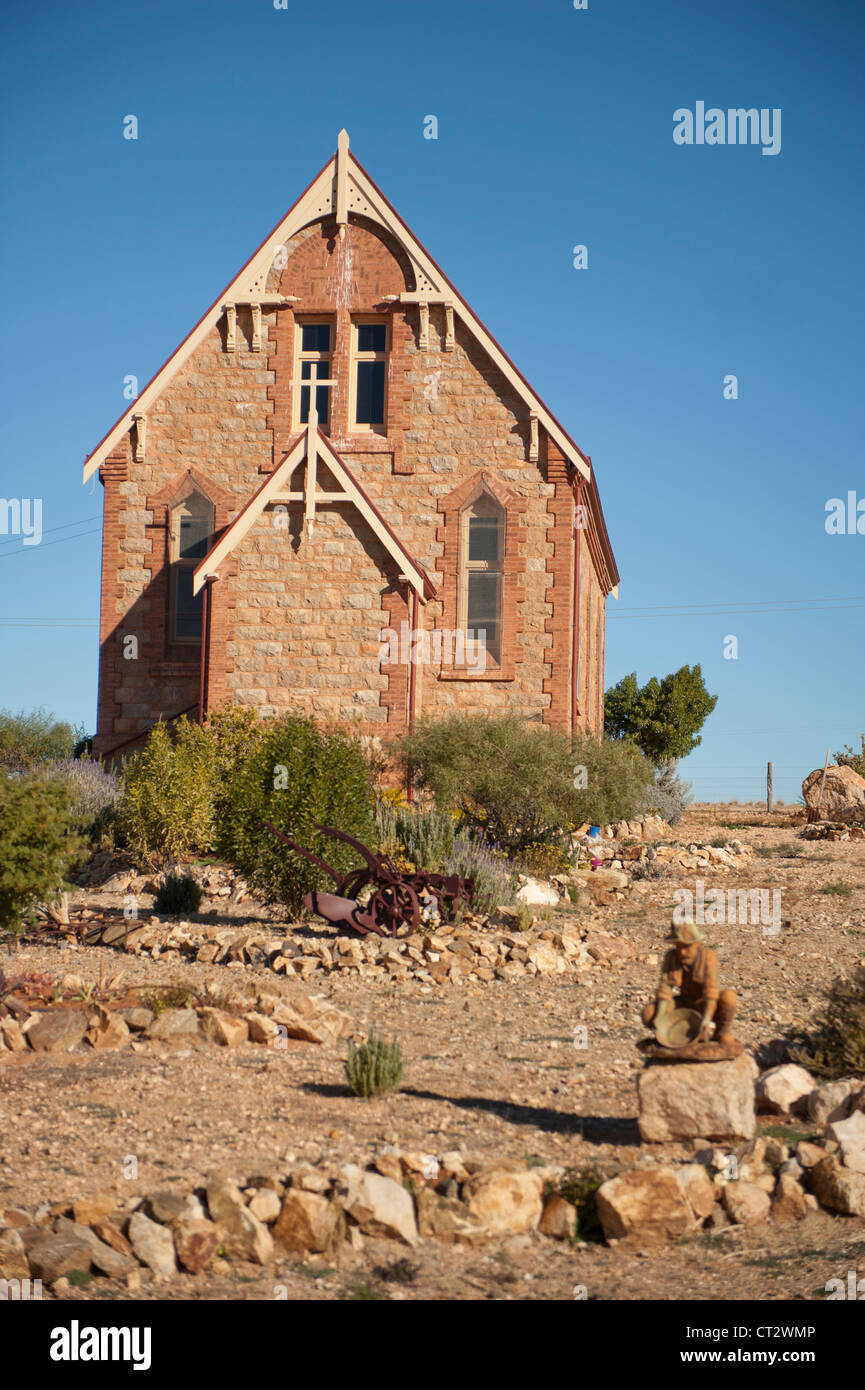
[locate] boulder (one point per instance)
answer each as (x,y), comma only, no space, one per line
(152,1244)
(196,1241)
(243,1235)
(788,1203)
(137,1020)
(838,1188)
(11,1035)
(843,797)
(265,1205)
(307,1222)
(51,1255)
(221,1028)
(697,1100)
(745,1203)
(169,1205)
(545,959)
(13,1257)
(809,1154)
(381,1207)
(537,894)
(89,1211)
(102,1257)
(58,1031)
(261,1028)
(106,1029)
(850,1136)
(505,1199)
(646,1206)
(446,1219)
(559,1219)
(172,1023)
(832,1101)
(784,1090)
(698,1188)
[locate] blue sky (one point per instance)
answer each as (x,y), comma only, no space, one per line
(555,128)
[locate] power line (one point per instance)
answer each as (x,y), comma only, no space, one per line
(63,540)
(65,527)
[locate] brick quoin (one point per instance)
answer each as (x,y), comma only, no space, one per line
(296,619)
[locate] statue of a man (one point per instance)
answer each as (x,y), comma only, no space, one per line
(689,980)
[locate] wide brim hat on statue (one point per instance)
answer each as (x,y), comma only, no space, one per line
(688,933)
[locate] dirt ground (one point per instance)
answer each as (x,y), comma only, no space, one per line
(488,1068)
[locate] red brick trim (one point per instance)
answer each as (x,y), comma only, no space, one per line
(448,535)
(560,571)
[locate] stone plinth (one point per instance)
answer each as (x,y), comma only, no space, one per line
(697,1100)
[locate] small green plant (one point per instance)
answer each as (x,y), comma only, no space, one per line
(719,842)
(524,918)
(79,1278)
(399,1272)
(791,850)
(360,1290)
(178,893)
(837,889)
(174,997)
(375,1067)
(426,838)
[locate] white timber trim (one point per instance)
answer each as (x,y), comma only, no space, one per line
(313,445)
(342,188)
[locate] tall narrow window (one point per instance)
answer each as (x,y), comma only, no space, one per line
(190,533)
(369,375)
(483,546)
(314,357)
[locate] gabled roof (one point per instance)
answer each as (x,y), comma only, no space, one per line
(311,446)
(342,187)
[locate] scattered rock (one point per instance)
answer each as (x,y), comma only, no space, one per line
(831,1101)
(784,1090)
(223,1029)
(307,1222)
(745,1203)
(788,1203)
(13,1257)
(106,1029)
(196,1241)
(446,1219)
(51,1255)
(646,1206)
(698,1189)
(381,1206)
(842,798)
(89,1211)
(839,1188)
(172,1023)
(169,1205)
(850,1135)
(537,894)
(679,1101)
(244,1237)
(503,1199)
(137,1020)
(58,1031)
(559,1218)
(102,1256)
(265,1205)
(153,1244)
(11,1035)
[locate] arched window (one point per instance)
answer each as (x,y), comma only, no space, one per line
(190,530)
(482,550)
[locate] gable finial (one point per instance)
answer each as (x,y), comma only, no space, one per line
(342,181)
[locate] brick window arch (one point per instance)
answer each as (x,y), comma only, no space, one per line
(190,535)
(482,578)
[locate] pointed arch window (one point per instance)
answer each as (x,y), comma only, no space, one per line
(190,533)
(482,551)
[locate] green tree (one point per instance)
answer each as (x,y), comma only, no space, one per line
(663,717)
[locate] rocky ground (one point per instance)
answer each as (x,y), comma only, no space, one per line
(491,1071)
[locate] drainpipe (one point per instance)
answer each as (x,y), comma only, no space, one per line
(205,652)
(412,678)
(575,659)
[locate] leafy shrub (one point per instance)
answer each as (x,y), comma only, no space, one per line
(837,888)
(94,792)
(542,860)
(28,739)
(513,781)
(471,858)
(580,1188)
(850,758)
(295,776)
(170,792)
(39,843)
(668,794)
(375,1067)
(836,1046)
(178,893)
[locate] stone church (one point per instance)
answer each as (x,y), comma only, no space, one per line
(340,497)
